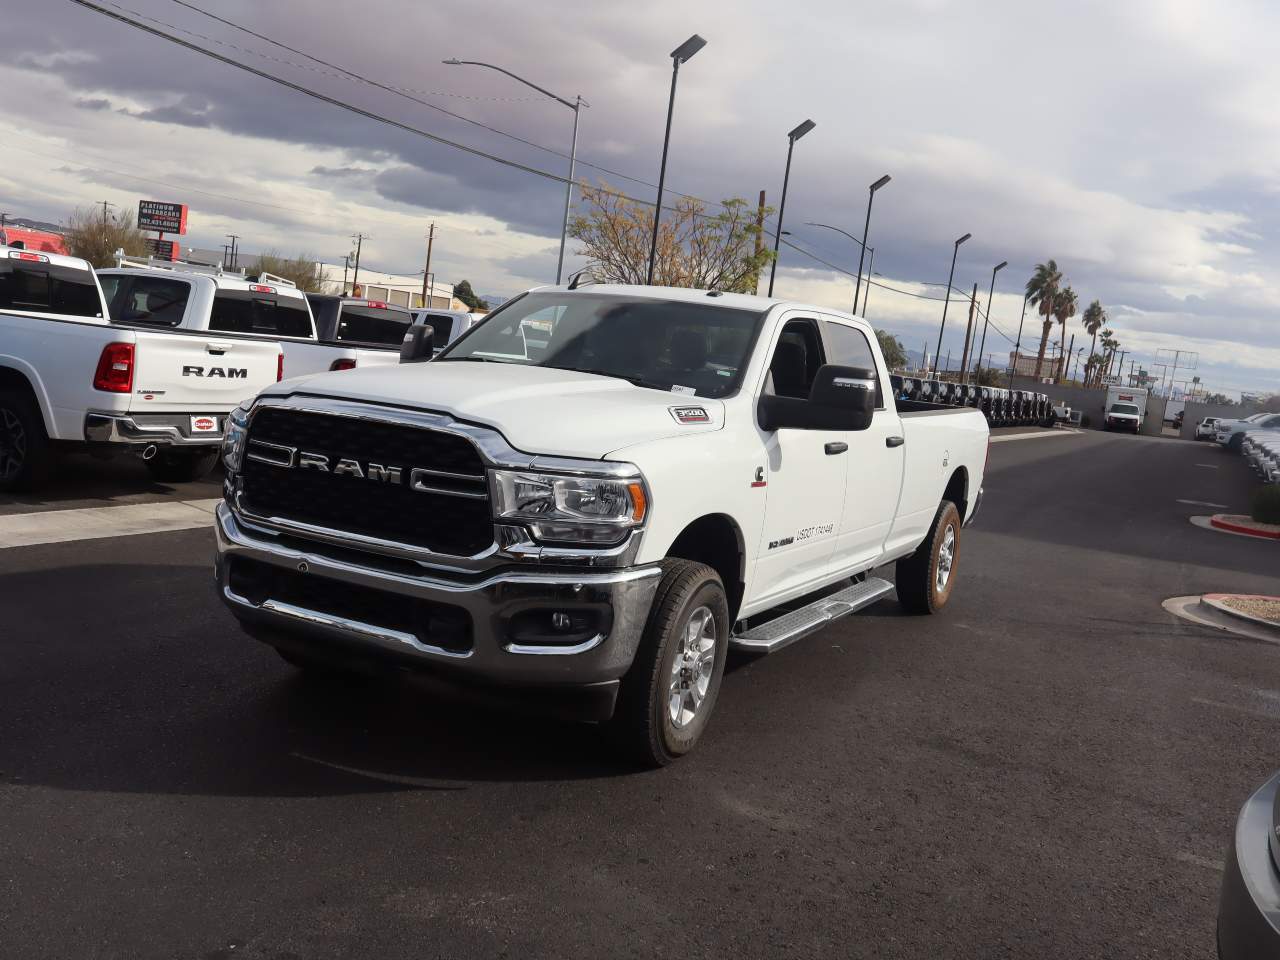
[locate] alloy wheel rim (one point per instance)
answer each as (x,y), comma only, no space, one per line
(692,667)
(946,558)
(13,444)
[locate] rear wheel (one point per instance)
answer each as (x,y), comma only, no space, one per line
(181,466)
(924,579)
(668,694)
(26,459)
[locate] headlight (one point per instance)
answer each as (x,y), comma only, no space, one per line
(233,439)
(571,509)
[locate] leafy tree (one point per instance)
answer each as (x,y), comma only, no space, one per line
(302,269)
(96,238)
(695,249)
(895,354)
(462,290)
(991,377)
(1064,308)
(1272,403)
(1094,319)
(1042,288)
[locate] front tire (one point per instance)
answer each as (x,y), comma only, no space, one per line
(668,694)
(26,459)
(924,579)
(181,466)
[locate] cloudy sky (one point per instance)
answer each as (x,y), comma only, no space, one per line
(1137,143)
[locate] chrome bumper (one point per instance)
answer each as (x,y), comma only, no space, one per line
(164,430)
(622,596)
(1249,904)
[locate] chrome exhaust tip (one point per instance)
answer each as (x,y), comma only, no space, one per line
(149,451)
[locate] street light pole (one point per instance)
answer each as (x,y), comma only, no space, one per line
(576,106)
(678,56)
(977,374)
(792,137)
(947,303)
(871,272)
(843,233)
(866,227)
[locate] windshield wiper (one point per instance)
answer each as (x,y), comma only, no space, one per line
(474,359)
(635,381)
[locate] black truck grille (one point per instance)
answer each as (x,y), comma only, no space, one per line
(446,510)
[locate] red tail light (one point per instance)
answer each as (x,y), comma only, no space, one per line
(343,363)
(279,366)
(115,369)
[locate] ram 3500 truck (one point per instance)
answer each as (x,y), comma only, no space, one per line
(678,473)
(71,377)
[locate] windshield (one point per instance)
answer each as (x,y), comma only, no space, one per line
(1128,408)
(686,348)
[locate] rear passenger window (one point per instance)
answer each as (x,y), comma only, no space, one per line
(850,348)
(48,288)
(246,312)
(441,326)
(373,326)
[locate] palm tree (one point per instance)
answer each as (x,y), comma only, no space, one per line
(1041,289)
(1109,344)
(1094,317)
(1064,308)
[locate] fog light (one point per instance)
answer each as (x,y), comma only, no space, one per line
(562,622)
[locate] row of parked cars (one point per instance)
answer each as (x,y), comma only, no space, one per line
(148,357)
(1001,407)
(1257,438)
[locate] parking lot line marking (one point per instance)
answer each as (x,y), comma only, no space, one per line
(1032,436)
(95,523)
(1211,466)
(1205,503)
(1198,861)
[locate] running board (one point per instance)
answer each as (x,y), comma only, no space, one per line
(797,624)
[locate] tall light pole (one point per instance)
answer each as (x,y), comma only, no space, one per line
(866,227)
(792,137)
(1017,347)
(871,272)
(946,303)
(576,106)
(678,56)
(977,375)
(843,233)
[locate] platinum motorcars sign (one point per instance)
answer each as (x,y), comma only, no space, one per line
(165,217)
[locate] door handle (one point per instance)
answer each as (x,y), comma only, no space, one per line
(894,441)
(217,347)
(835,447)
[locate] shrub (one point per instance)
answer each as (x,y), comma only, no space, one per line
(1266,504)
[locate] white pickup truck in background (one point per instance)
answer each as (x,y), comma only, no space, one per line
(446,325)
(675,473)
(70,376)
(369,332)
(209,299)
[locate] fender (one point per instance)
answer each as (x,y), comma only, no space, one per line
(36,382)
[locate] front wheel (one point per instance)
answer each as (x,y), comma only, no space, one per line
(668,694)
(924,579)
(181,466)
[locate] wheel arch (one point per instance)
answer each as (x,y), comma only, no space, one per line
(17,375)
(716,540)
(957,491)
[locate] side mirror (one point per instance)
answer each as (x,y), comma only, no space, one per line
(417,346)
(842,398)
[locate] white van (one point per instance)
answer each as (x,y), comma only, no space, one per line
(1125,409)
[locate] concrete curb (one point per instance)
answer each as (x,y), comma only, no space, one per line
(1214,601)
(1191,609)
(1234,523)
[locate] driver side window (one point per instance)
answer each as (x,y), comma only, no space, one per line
(796,360)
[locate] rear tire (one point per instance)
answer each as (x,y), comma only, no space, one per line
(26,458)
(670,691)
(181,466)
(924,579)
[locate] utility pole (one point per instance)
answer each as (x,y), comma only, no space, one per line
(105,205)
(1120,365)
(1070,351)
(233,257)
(759,239)
(4,219)
(346,265)
(426,271)
(968,332)
(947,368)
(355,276)
(924,356)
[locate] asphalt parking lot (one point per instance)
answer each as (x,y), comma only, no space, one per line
(1050,769)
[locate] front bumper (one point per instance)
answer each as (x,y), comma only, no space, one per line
(494,606)
(1249,906)
(162,429)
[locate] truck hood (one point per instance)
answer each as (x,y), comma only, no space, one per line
(539,410)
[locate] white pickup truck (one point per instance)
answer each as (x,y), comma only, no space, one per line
(70,376)
(678,473)
(371,331)
(209,299)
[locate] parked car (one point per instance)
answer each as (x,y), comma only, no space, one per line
(1206,428)
(545,506)
(72,375)
(1249,902)
(1231,433)
(446,325)
(368,332)
(202,299)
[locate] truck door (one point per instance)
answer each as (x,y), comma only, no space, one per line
(875,459)
(805,473)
